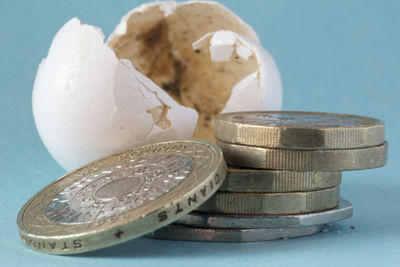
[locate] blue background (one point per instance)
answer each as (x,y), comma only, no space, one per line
(334,56)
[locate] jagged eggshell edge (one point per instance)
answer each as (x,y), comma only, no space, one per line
(260,90)
(168,8)
(88,104)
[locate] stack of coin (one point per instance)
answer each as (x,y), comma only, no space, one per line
(283,176)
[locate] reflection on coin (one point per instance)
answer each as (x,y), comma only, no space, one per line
(271,203)
(187,233)
(291,159)
(299,130)
(121,196)
(206,220)
(271,181)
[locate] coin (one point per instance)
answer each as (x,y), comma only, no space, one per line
(122,196)
(187,233)
(206,220)
(271,203)
(271,181)
(291,159)
(299,130)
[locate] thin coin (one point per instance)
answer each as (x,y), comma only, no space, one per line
(272,181)
(299,130)
(271,203)
(313,160)
(206,220)
(187,233)
(122,196)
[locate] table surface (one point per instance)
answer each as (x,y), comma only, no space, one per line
(334,56)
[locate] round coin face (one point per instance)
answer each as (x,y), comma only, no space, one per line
(301,130)
(121,196)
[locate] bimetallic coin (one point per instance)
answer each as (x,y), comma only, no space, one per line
(187,233)
(121,196)
(206,220)
(313,160)
(271,203)
(299,130)
(272,181)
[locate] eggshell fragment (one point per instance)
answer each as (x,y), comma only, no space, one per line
(258,90)
(88,104)
(202,55)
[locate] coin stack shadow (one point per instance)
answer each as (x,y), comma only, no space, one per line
(284,171)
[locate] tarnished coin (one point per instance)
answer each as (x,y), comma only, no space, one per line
(187,233)
(272,181)
(207,220)
(271,203)
(122,196)
(299,130)
(313,160)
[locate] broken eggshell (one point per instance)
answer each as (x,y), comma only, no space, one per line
(88,100)
(88,104)
(202,55)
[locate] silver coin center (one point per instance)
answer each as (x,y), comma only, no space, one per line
(117,189)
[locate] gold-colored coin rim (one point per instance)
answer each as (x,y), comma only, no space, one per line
(313,160)
(372,133)
(271,203)
(186,196)
(275,181)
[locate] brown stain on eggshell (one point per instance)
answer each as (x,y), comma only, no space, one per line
(160,47)
(159,115)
